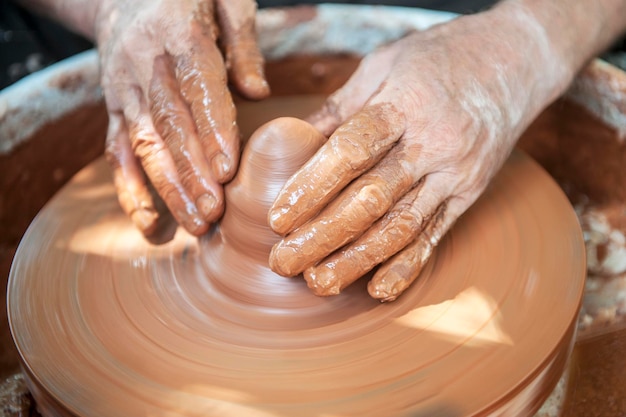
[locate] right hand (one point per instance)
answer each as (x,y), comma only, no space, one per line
(171,115)
(416,135)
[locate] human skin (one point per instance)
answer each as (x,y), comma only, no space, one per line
(415,135)
(418,132)
(165,65)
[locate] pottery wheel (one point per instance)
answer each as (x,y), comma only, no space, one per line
(108,324)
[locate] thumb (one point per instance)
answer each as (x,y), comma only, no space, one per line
(368,79)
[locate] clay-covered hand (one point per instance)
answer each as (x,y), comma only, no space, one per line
(417,133)
(165,65)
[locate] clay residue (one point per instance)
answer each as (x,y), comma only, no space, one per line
(353,148)
(69,82)
(15,398)
(601,89)
(294,16)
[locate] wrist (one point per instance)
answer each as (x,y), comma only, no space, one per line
(571,32)
(540,54)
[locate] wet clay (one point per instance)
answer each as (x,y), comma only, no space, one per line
(34,171)
(304,196)
(109,324)
(53,154)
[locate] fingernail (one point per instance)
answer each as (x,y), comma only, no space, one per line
(284,260)
(195,225)
(322,281)
(383,291)
(273,216)
(145,220)
(206,205)
(274,219)
(256,86)
(221,166)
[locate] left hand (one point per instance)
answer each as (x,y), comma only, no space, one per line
(165,68)
(417,133)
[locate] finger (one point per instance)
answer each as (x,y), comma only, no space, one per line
(355,147)
(243,58)
(159,166)
(173,122)
(355,93)
(385,238)
(130,184)
(399,272)
(202,79)
(353,212)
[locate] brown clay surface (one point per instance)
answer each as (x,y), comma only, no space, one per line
(309,74)
(109,324)
(33,172)
(29,177)
(586,157)
(597,386)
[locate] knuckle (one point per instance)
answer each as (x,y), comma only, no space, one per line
(409,217)
(148,148)
(417,216)
(350,151)
(170,121)
(372,200)
(190,178)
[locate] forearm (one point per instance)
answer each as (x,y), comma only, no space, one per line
(77,15)
(563,35)
(579,29)
(530,51)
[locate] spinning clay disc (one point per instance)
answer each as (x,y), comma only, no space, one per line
(110,324)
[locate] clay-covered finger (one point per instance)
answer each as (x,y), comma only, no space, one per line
(385,238)
(348,216)
(274,151)
(398,273)
(355,147)
(130,183)
(243,57)
(173,122)
(159,166)
(202,80)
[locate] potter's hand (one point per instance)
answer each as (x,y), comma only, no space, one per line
(171,115)
(417,133)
